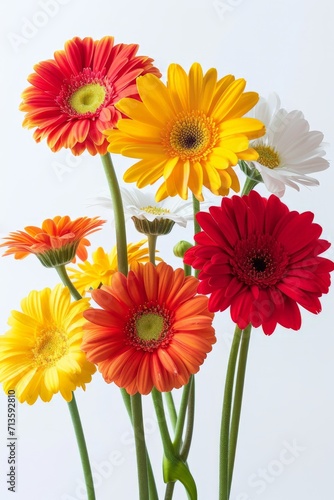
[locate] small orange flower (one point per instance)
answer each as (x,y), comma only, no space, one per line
(72,97)
(57,242)
(153,329)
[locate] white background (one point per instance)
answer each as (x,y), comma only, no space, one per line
(280,46)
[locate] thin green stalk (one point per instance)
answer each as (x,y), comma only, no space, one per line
(62,273)
(61,270)
(152,244)
(182,416)
(196,209)
(72,405)
(237,401)
(187,405)
(116,198)
(161,417)
(190,422)
(249,185)
(176,469)
(187,269)
(169,491)
(151,481)
(226,416)
(122,262)
(171,408)
(141,452)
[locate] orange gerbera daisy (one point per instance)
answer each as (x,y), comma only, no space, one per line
(56,242)
(153,329)
(71,98)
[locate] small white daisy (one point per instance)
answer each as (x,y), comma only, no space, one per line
(289,151)
(142,205)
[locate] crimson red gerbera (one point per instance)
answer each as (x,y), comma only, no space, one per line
(72,97)
(153,329)
(261,260)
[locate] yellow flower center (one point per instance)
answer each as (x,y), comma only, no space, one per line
(88,99)
(191,136)
(149,326)
(155,210)
(268,156)
(51,345)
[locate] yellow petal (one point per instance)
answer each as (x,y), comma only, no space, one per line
(155,97)
(142,167)
(195,85)
(178,85)
(196,180)
(246,102)
(208,89)
(143,150)
(170,165)
(140,131)
(248,126)
(181,176)
(228,99)
(136,110)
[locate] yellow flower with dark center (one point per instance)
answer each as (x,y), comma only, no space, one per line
(41,354)
(91,275)
(190,132)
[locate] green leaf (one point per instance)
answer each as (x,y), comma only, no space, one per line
(177,470)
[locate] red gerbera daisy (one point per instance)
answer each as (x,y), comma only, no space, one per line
(57,242)
(71,98)
(152,331)
(261,260)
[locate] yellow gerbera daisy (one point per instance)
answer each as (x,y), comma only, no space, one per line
(100,271)
(41,354)
(190,132)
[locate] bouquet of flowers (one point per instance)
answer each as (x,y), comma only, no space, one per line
(146,326)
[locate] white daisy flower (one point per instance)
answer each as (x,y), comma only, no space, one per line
(142,205)
(289,151)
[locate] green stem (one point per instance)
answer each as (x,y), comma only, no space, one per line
(237,401)
(82,448)
(115,193)
(182,416)
(196,209)
(190,422)
(169,491)
(187,269)
(61,270)
(152,244)
(62,273)
(151,481)
(161,417)
(197,227)
(141,452)
(171,408)
(143,465)
(226,416)
(248,186)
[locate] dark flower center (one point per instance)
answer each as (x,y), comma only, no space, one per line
(191,136)
(259,264)
(260,260)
